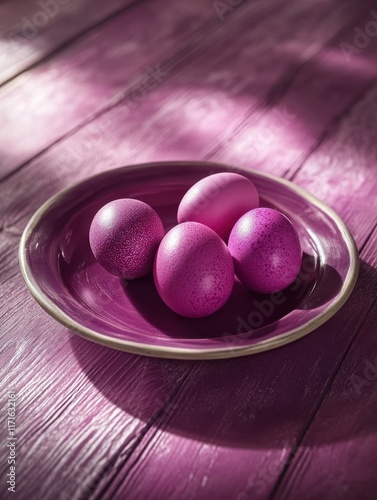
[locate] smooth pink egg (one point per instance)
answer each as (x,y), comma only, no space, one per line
(266,250)
(124,237)
(193,270)
(218,201)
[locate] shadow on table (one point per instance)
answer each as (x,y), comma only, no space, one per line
(252,402)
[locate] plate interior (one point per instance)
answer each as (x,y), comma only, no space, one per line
(63,266)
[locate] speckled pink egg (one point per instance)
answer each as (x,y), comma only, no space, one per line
(124,237)
(193,270)
(266,250)
(218,201)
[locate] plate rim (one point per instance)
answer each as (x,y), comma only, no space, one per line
(159,351)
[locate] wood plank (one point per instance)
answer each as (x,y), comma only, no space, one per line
(59,357)
(307,110)
(189,115)
(247,84)
(207,407)
(308,392)
(349,154)
(235,422)
(44,180)
(338,453)
(30,30)
(73,397)
(56,97)
(288,139)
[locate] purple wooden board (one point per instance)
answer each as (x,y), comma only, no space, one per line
(121,56)
(278,140)
(239,420)
(341,442)
(31,30)
(189,128)
(79,415)
(59,77)
(350,155)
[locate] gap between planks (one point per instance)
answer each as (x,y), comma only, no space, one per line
(67,43)
(337,120)
(327,133)
(282,87)
(317,407)
(209,29)
(148,425)
(205,32)
(164,416)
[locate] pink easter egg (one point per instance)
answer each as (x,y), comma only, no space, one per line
(266,250)
(193,270)
(218,201)
(124,237)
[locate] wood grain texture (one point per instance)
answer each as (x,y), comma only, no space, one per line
(65,92)
(341,442)
(189,110)
(128,126)
(307,108)
(239,420)
(318,368)
(73,428)
(350,154)
(31,30)
(102,424)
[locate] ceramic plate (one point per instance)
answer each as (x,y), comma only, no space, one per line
(63,276)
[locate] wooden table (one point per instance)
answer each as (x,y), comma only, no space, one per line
(288,88)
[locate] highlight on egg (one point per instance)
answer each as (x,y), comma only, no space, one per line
(193,270)
(266,250)
(218,201)
(124,236)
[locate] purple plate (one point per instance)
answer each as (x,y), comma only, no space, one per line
(63,276)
